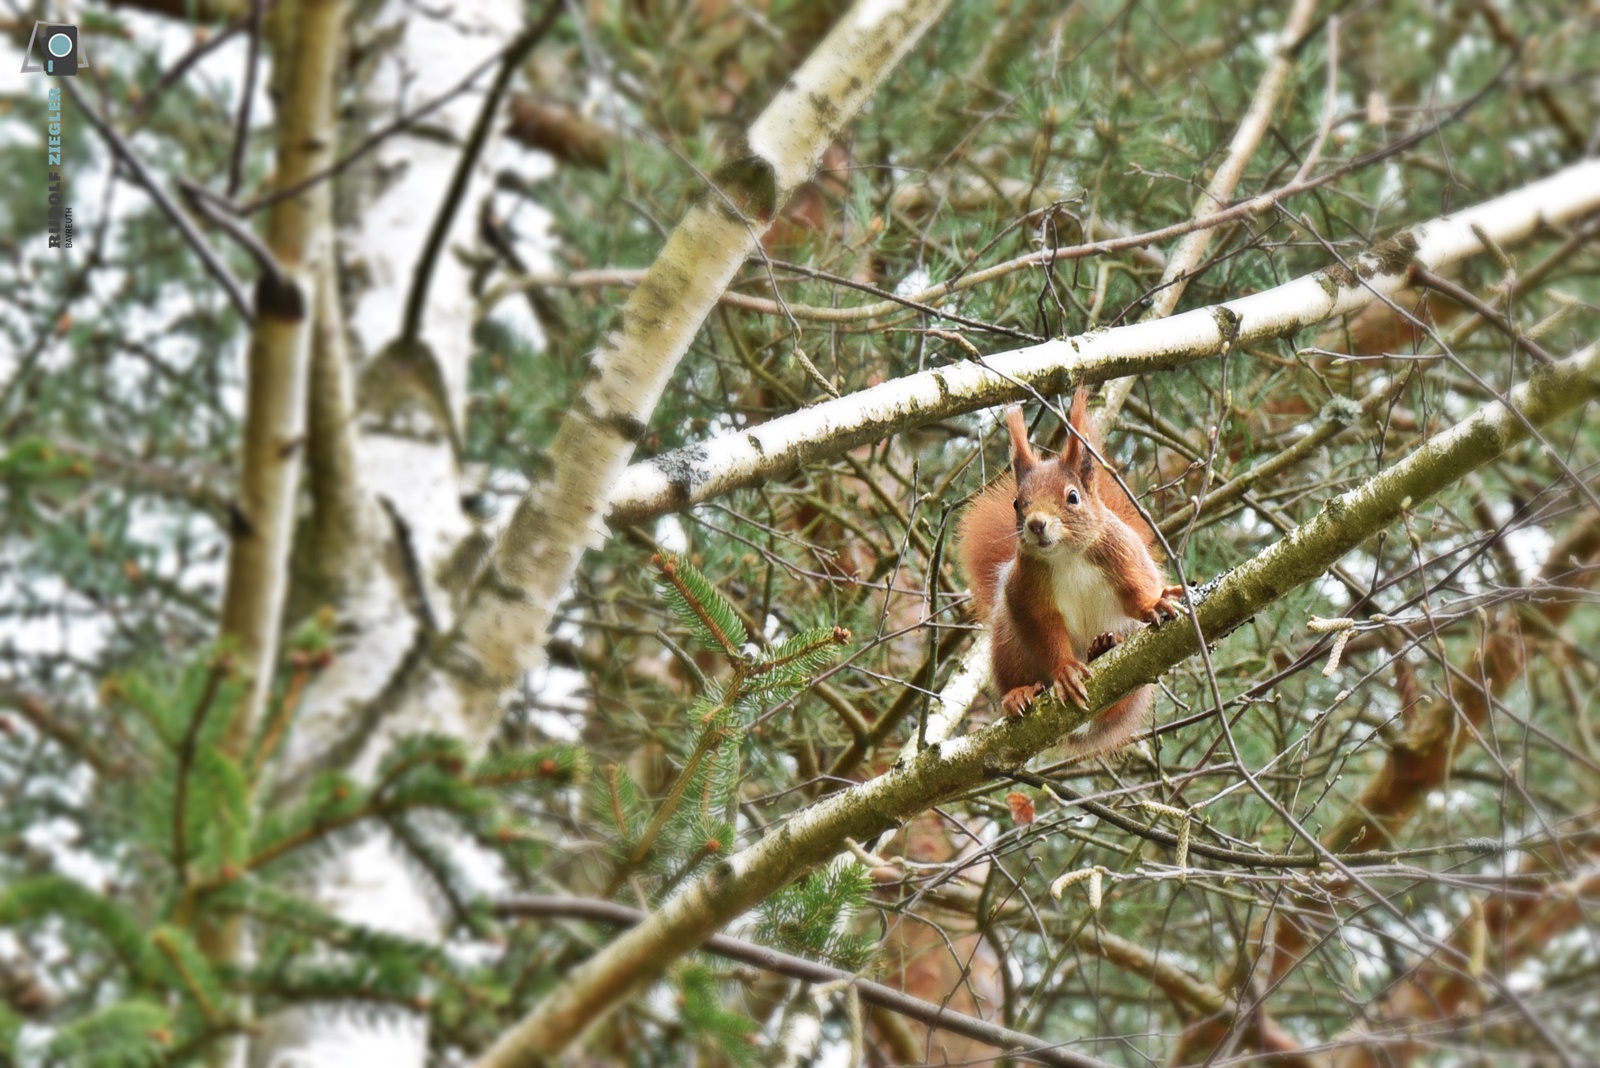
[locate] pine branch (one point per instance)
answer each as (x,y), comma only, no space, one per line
(57,895)
(712,735)
(189,966)
(304,667)
(696,596)
(36,711)
(804,652)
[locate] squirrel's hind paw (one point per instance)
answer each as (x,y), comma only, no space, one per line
(1068,684)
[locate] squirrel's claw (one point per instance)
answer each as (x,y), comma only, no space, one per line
(1103,644)
(1068,684)
(1167,606)
(1016,701)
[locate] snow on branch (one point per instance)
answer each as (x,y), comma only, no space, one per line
(698,472)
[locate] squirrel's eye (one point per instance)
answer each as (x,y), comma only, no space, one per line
(1072,496)
(1017,504)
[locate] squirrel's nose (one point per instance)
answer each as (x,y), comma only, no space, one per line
(1036,524)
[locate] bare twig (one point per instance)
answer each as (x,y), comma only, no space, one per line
(1467,299)
(241,133)
(515,53)
(124,152)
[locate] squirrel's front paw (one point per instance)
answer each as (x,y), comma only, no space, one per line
(1068,683)
(1167,606)
(1017,700)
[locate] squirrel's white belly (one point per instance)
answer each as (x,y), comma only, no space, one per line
(1089,605)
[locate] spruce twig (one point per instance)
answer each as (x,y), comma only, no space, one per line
(671,571)
(187,747)
(170,950)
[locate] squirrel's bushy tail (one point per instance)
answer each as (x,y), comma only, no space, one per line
(986,540)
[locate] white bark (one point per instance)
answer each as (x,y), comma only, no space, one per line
(698,472)
(412,468)
(504,627)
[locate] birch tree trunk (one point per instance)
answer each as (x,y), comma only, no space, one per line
(386,486)
(277,365)
(300,238)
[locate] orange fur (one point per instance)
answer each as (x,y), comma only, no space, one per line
(1081,559)
(986,540)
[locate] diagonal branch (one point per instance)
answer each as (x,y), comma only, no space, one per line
(186,229)
(504,625)
(815,834)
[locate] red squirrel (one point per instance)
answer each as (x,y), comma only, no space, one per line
(1061,566)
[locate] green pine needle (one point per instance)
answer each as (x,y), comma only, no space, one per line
(70,900)
(705,1018)
(700,607)
(531,770)
(808,917)
(124,1034)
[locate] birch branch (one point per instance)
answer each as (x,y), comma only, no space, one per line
(278,365)
(815,834)
(343,519)
(505,623)
(300,239)
(686,476)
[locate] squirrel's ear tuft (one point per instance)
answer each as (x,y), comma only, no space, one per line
(1023,457)
(1078,457)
